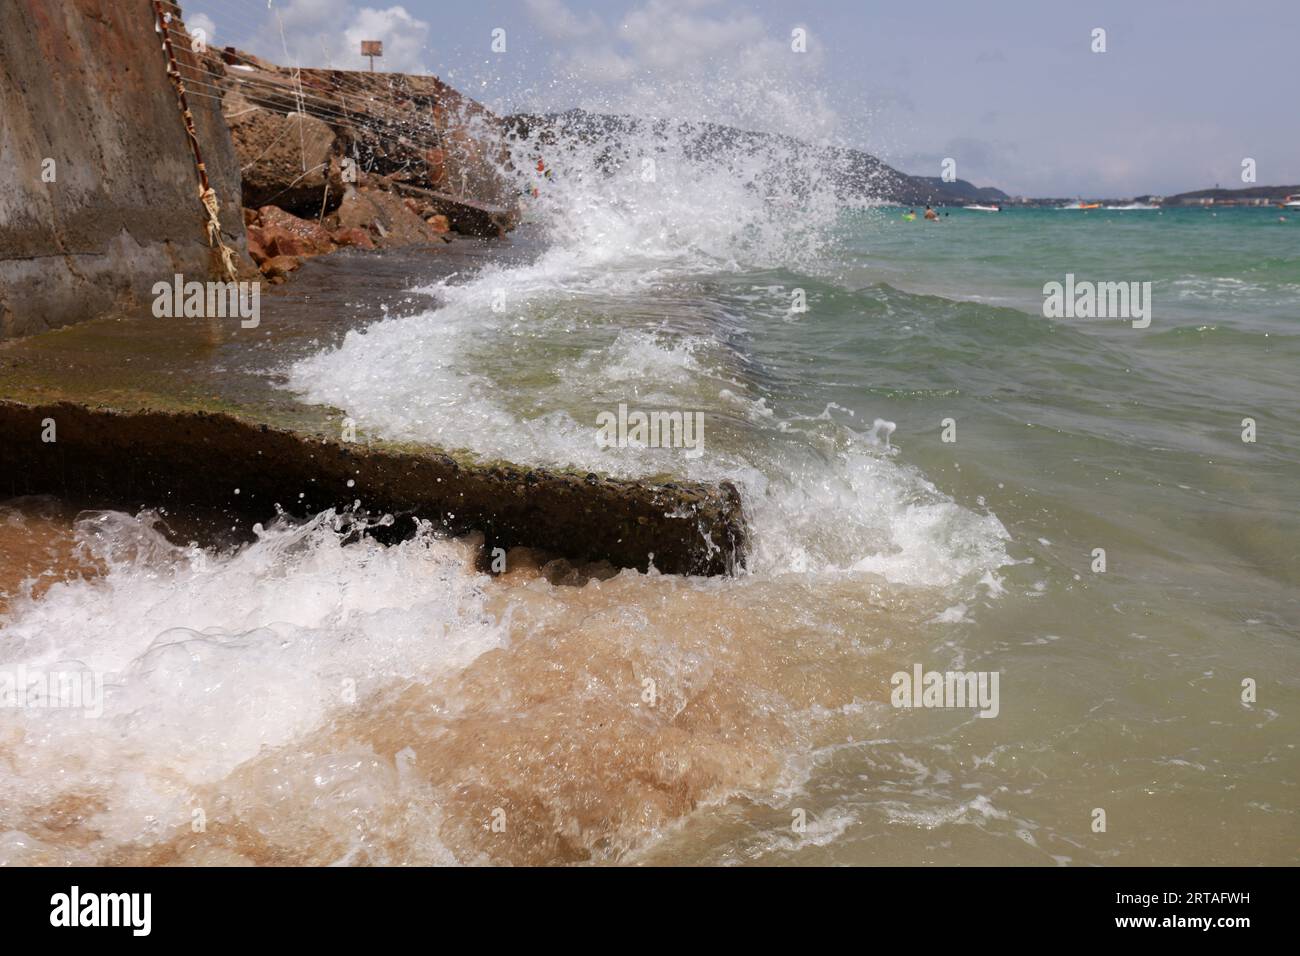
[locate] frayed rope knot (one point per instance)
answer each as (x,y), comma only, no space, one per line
(209,198)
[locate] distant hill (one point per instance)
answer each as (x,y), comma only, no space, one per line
(1272,193)
(853,173)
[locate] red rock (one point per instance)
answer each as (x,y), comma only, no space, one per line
(435,160)
(257,245)
(385,216)
(283,244)
(440,224)
(284,234)
(279,267)
(354,236)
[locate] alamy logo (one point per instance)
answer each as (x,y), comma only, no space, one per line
(80,690)
(651,430)
(103,909)
(977,689)
(1098,300)
(208,300)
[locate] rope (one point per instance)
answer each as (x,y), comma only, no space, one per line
(207,196)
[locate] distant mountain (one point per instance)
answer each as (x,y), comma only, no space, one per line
(963,190)
(853,173)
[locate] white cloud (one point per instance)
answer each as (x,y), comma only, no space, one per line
(328,33)
(405,39)
(691,59)
(201,24)
(559,22)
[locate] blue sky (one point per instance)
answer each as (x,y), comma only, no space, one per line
(1011,90)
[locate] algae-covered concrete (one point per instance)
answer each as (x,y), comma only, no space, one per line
(223,463)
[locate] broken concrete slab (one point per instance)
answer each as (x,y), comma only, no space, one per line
(469,216)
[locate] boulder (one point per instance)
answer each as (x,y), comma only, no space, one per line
(284,234)
(384,216)
(466,216)
(285,158)
(256,247)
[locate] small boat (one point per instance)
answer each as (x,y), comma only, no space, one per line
(985,208)
(1291,202)
(1082,205)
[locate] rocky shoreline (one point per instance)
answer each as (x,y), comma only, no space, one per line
(332,160)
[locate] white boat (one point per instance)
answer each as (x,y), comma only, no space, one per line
(1291,202)
(985,208)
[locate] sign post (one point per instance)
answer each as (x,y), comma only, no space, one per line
(372,49)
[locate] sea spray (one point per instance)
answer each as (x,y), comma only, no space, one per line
(643,297)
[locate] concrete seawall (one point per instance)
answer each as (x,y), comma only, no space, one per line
(100,195)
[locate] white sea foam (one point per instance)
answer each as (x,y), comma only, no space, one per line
(209,661)
(314,699)
(619,308)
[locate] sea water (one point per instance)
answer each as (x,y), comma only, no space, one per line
(937,478)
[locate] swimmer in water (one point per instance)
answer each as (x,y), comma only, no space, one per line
(931,215)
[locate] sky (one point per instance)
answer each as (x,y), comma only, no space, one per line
(1012,91)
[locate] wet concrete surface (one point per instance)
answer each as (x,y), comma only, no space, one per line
(140,361)
(177,413)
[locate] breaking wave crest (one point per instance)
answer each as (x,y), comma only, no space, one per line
(649,288)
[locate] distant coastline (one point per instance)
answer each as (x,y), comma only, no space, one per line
(856,173)
(1249,196)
